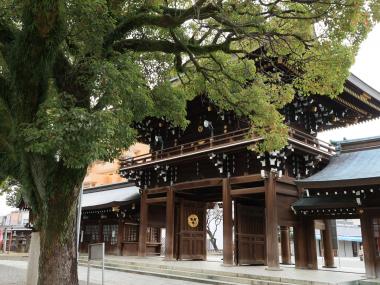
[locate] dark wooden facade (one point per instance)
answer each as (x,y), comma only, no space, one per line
(348,188)
(210,161)
(117,224)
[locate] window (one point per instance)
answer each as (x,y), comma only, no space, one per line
(153,234)
(376,234)
(131,233)
(110,234)
(91,233)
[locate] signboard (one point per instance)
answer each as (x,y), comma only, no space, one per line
(95,252)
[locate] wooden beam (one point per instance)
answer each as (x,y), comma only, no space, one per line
(300,253)
(247,199)
(156,200)
(246,179)
(158,190)
(369,248)
(211,182)
(271,223)
(311,246)
(285,245)
(288,192)
(328,252)
(120,233)
(169,239)
(143,224)
(287,180)
(247,191)
(227,224)
(305,245)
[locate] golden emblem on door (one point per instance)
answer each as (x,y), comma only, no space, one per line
(193,220)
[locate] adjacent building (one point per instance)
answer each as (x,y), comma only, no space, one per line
(14,232)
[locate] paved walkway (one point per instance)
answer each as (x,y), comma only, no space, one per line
(288,272)
(343,264)
(13,272)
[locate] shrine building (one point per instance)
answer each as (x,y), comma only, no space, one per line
(265,196)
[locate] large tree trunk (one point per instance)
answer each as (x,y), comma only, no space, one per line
(53,194)
(58,255)
(58,258)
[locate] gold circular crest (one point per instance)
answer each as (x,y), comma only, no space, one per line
(193,220)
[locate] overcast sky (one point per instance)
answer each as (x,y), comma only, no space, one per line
(366,67)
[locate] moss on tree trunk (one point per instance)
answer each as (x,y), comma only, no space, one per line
(57,224)
(58,262)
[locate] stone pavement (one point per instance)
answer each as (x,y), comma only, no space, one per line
(287,272)
(13,272)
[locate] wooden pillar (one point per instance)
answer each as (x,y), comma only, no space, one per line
(101,236)
(285,245)
(305,245)
(300,254)
(368,245)
(169,239)
(227,223)
(120,237)
(328,252)
(143,224)
(271,237)
(311,246)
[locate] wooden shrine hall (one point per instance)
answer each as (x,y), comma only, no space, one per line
(347,188)
(211,161)
(110,214)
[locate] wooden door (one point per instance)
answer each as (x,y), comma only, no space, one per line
(250,235)
(192,231)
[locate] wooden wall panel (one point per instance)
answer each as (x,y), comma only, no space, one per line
(156,216)
(130,248)
(192,240)
(285,214)
(250,235)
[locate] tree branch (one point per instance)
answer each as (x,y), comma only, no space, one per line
(168,18)
(144,45)
(67,79)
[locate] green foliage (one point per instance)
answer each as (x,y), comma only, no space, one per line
(88,22)
(77,75)
(13,191)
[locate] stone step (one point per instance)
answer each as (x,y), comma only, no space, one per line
(183,273)
(188,276)
(243,278)
(207,276)
(189,270)
(369,282)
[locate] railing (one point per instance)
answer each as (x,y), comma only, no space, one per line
(311,141)
(218,141)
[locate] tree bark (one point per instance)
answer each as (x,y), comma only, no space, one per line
(58,256)
(58,259)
